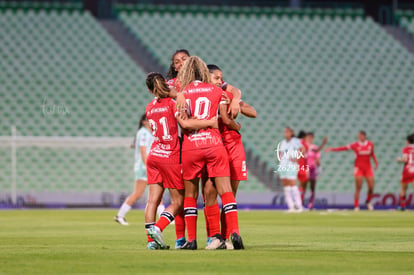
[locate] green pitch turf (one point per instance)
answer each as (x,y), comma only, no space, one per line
(89,241)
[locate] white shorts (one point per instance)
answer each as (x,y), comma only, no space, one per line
(288,171)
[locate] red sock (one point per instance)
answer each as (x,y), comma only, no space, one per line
(369,197)
(190,217)
(230,210)
(402,201)
(165,219)
(213,219)
(180,225)
(224,228)
(302,194)
(356,203)
(147,226)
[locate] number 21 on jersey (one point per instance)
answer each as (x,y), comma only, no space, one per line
(166,133)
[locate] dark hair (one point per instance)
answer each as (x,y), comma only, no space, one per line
(410,138)
(362,132)
(141,121)
(301,134)
(172,73)
(293,132)
(212,68)
(157,85)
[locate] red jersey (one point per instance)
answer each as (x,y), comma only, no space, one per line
(174,83)
(302,162)
(161,117)
(363,152)
(202,102)
(408,152)
(228,135)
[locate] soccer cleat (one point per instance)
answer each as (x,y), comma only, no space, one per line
(152,246)
(216,243)
(229,245)
(237,241)
(190,245)
(356,209)
(121,220)
(179,243)
(156,234)
(209,240)
(370,207)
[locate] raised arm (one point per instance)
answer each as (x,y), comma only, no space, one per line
(247,110)
(337,149)
(324,141)
(227,120)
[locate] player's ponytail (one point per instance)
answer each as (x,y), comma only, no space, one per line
(172,73)
(157,85)
(193,69)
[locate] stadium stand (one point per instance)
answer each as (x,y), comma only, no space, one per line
(332,72)
(406,19)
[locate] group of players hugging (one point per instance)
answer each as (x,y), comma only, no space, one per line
(188,133)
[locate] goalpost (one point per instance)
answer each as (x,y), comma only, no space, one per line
(65,170)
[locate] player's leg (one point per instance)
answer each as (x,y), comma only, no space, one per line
(160,208)
(154,197)
(167,216)
(358,186)
(139,190)
(191,212)
(370,183)
(212,213)
(296,196)
(403,193)
(225,230)
(230,210)
(312,196)
(287,187)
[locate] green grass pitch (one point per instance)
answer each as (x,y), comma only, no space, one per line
(89,241)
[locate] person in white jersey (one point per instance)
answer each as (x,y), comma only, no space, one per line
(143,143)
(289,151)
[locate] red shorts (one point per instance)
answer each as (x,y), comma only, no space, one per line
(303,175)
(169,175)
(237,160)
(215,159)
(365,172)
(407,177)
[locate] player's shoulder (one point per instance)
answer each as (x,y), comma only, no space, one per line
(150,105)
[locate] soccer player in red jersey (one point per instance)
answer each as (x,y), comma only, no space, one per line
(204,148)
(177,60)
(238,171)
(163,163)
(364,151)
(408,170)
(303,171)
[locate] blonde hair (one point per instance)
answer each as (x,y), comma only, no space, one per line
(193,69)
(157,85)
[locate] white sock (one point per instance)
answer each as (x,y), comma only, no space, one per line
(123,210)
(160,209)
(288,197)
(296,197)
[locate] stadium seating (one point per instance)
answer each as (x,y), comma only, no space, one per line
(332,73)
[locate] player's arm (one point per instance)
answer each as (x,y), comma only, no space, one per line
(403,159)
(179,98)
(247,110)
(337,149)
(227,120)
(324,141)
(234,108)
(143,151)
(374,157)
(195,124)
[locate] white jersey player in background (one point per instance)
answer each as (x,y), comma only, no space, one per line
(142,146)
(289,151)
